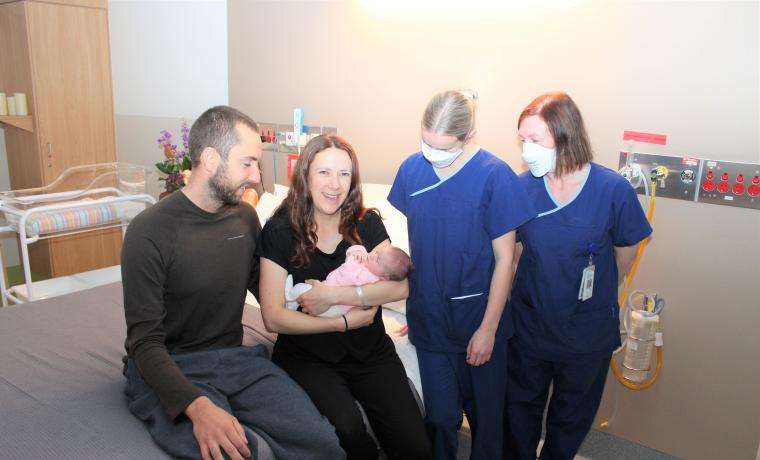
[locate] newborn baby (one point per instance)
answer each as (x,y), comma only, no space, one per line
(383,263)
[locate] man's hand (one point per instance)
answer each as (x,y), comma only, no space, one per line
(216,429)
(480,347)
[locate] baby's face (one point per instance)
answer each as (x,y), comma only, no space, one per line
(377,261)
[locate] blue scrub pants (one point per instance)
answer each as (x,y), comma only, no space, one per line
(577,391)
(450,385)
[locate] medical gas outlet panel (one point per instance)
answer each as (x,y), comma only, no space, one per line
(695,179)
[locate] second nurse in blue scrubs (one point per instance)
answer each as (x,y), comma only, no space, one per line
(564,300)
(463,205)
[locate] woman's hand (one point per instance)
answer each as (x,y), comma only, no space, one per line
(317,300)
(480,347)
(359,317)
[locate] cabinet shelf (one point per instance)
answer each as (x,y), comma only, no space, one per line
(23,122)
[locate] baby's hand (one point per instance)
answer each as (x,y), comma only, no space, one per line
(357,254)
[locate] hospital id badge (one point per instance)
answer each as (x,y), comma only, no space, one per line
(587,283)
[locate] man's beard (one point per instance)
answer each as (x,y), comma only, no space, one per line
(221,189)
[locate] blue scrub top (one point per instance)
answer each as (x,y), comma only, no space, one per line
(451,222)
(550,321)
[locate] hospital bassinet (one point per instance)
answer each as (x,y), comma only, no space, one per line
(82,198)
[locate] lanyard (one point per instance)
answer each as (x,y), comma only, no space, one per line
(592,250)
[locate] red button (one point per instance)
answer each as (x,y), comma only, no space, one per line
(708,186)
(723,187)
(710,174)
(740,178)
(753,190)
(724,177)
(756,180)
(738,189)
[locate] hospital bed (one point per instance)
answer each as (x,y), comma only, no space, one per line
(81,199)
(61,382)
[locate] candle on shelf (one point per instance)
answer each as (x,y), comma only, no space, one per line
(11,106)
(3,104)
(21,108)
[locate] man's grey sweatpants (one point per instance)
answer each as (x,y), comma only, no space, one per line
(244,382)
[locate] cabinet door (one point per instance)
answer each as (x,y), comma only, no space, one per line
(72,82)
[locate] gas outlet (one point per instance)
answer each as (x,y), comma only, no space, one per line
(693,179)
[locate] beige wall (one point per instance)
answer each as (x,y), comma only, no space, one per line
(136,143)
(163,75)
(686,69)
(168,58)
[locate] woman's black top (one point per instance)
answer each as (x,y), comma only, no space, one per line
(277,245)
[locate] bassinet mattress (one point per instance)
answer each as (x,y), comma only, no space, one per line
(85,216)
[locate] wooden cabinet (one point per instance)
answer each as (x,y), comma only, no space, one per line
(57,52)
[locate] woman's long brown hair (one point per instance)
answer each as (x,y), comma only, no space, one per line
(298,207)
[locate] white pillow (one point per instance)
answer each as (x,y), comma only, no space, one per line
(280,191)
(267,205)
(397,232)
(375,192)
(376,196)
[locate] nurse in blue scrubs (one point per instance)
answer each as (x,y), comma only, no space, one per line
(463,205)
(564,299)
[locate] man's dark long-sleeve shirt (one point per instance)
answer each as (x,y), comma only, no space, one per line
(185,272)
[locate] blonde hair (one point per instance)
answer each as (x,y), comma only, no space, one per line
(451,113)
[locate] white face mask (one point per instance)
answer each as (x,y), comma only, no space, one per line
(540,159)
(440,158)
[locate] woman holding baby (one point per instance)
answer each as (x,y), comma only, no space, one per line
(341,359)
